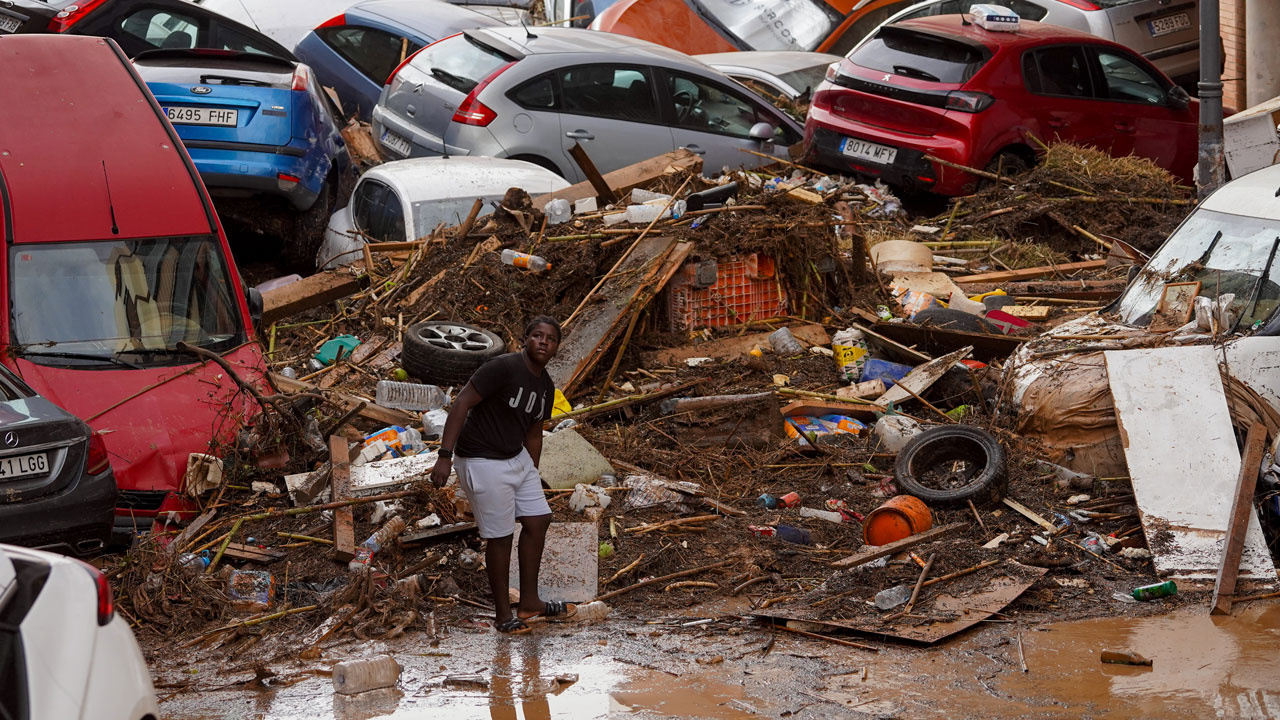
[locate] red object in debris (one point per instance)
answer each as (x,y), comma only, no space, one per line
(114,256)
(900,517)
(791,499)
(974,364)
(725,293)
(763,530)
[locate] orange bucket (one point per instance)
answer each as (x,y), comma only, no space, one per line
(901,516)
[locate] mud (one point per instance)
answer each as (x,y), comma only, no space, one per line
(1204,667)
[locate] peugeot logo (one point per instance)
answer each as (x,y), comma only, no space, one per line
(11,439)
(201,90)
(886,77)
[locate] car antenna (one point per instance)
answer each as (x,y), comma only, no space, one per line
(115,228)
(964,20)
(527,35)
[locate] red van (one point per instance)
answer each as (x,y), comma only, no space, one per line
(112,256)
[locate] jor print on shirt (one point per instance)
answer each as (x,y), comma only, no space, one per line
(514,399)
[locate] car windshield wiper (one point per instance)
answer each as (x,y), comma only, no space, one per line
(455,81)
(915,73)
(82,356)
(1262,280)
(149,352)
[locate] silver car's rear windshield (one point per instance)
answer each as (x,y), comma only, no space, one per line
(459,62)
(120,299)
(1225,253)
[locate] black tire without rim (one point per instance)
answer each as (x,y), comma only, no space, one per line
(926,467)
(447,353)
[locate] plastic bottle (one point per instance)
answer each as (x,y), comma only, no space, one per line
(375,542)
(289,372)
(784,343)
(643,214)
(1152,592)
(640,195)
(592,611)
(469,559)
(534,263)
(850,348)
(895,431)
(891,598)
(558,211)
(828,515)
(193,561)
(357,676)
(409,396)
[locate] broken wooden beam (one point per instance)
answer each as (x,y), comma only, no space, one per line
(712,402)
(253,553)
(1224,587)
(733,347)
(604,194)
(344,530)
(1032,273)
(437,532)
(309,292)
(640,174)
(875,552)
(1031,515)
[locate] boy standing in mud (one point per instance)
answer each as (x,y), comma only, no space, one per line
(493,437)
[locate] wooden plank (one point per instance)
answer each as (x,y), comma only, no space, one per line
(878,551)
(621,180)
(1032,273)
(733,347)
(629,290)
(805,406)
(416,296)
(884,345)
(604,193)
(344,529)
(1180,447)
(437,532)
(1224,588)
(309,292)
(923,377)
(395,246)
(808,197)
(986,346)
(1030,514)
(252,553)
(1028,312)
(371,411)
(191,530)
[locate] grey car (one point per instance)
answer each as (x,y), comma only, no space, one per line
(1165,32)
(532,94)
(788,73)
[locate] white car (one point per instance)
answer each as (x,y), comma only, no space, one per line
(406,199)
(789,73)
(64,653)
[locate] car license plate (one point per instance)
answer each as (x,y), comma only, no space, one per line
(1170,24)
(21,465)
(9,24)
(395,142)
(871,152)
(182,115)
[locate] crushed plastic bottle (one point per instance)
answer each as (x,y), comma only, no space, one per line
(357,676)
(640,196)
(534,263)
(891,598)
(592,611)
(558,211)
(784,343)
(375,542)
(469,559)
(194,561)
(413,397)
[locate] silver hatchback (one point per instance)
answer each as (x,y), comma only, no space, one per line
(533,94)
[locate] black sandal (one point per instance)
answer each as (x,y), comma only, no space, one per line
(554,611)
(513,626)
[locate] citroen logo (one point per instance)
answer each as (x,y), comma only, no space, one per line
(11,439)
(201,90)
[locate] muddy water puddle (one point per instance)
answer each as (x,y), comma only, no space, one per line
(1203,667)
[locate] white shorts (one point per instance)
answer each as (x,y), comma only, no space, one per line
(501,491)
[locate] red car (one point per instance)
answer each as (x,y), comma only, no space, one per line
(946,87)
(112,257)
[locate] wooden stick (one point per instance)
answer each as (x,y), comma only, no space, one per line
(465,228)
(235,528)
(1030,514)
(689,584)
(960,573)
(828,638)
(1091,236)
(915,592)
(876,552)
(780,160)
(1264,596)
(625,570)
(664,578)
(251,622)
(617,359)
(1224,587)
(308,538)
(978,517)
(668,523)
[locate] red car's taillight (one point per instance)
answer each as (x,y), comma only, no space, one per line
(334,21)
(473,112)
(72,14)
(98,462)
(106,603)
(1081,4)
(970,102)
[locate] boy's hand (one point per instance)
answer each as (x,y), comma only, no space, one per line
(440,472)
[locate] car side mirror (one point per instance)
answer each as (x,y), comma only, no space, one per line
(254,299)
(1178,98)
(762,131)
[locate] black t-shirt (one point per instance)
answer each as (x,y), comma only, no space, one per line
(514,399)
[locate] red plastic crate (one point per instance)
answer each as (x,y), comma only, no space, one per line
(745,289)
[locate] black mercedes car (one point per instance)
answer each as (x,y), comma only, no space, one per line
(57,491)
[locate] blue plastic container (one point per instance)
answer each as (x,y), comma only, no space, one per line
(889,372)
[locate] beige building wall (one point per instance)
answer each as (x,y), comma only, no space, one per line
(1233,77)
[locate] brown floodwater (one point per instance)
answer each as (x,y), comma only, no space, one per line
(1203,667)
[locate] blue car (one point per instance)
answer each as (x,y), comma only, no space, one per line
(355,53)
(263,135)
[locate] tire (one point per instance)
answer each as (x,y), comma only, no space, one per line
(447,353)
(1009,164)
(306,232)
(926,466)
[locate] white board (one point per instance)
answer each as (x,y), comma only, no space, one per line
(570,568)
(1183,459)
(1256,361)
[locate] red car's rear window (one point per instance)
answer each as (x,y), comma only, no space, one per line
(921,56)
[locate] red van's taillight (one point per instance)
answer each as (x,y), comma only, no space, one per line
(72,14)
(106,603)
(334,21)
(98,461)
(473,112)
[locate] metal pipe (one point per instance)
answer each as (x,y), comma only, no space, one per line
(1211,165)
